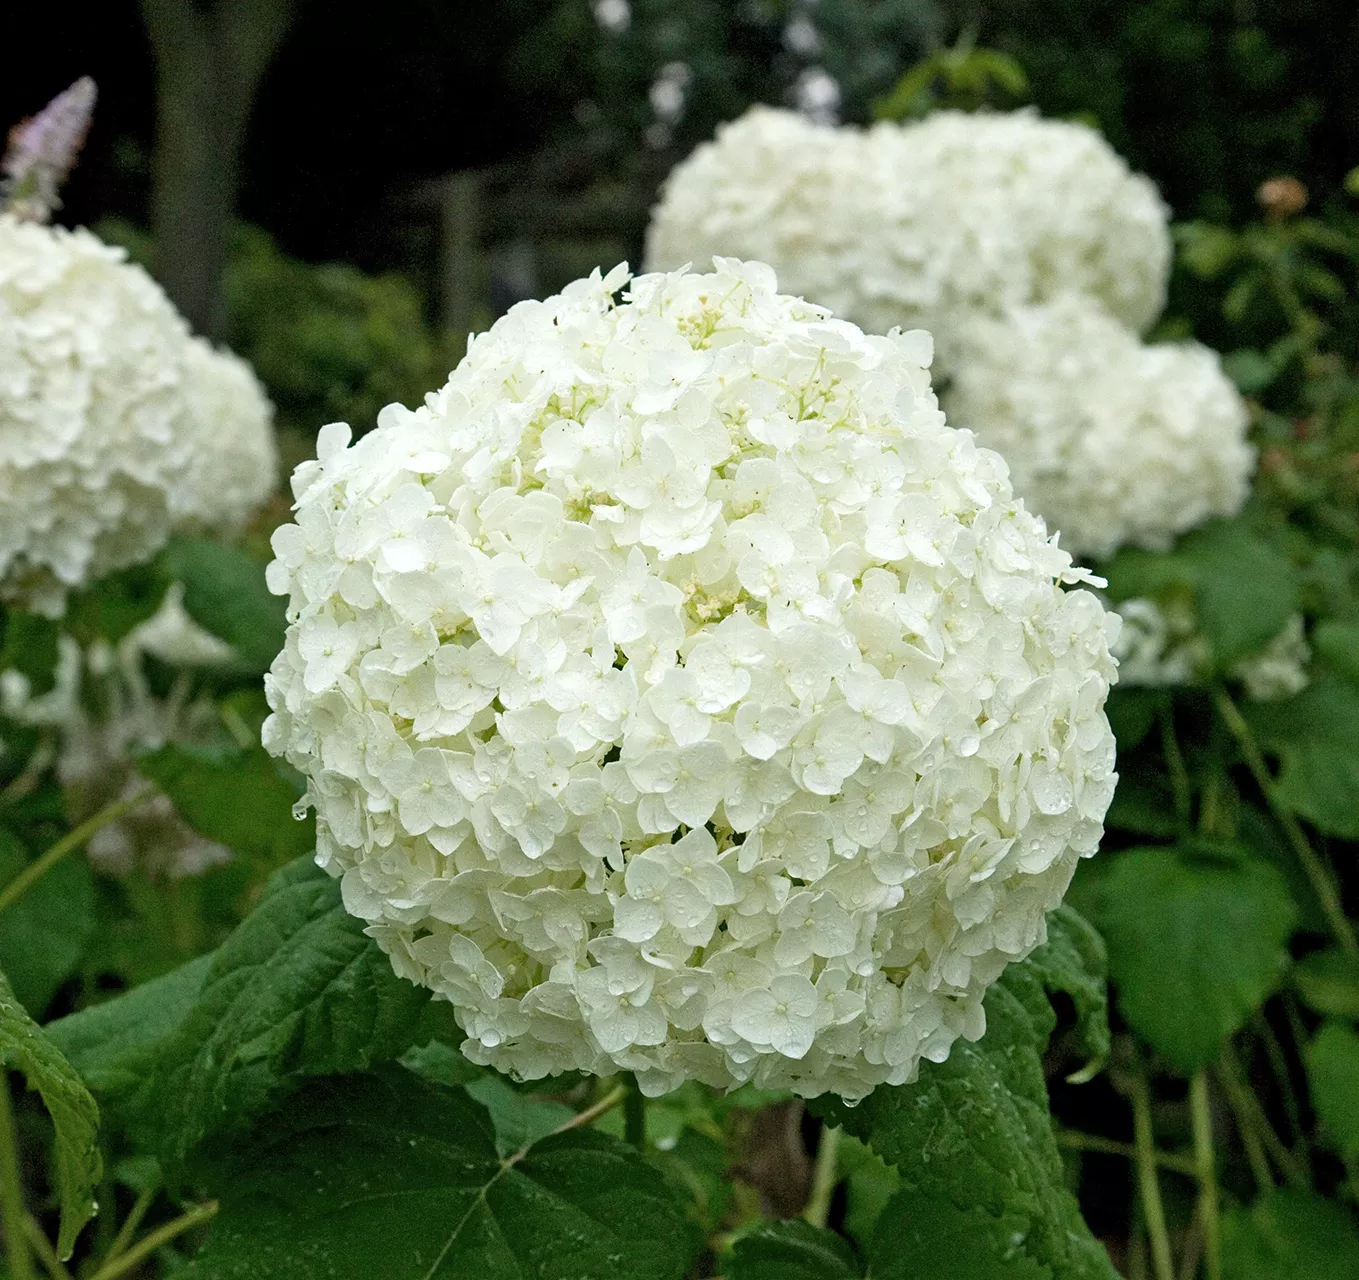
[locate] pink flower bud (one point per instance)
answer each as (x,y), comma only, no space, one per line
(42,151)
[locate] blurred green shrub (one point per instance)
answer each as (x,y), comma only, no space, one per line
(330,342)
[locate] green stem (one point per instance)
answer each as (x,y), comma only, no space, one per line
(13,1213)
(130,1224)
(1316,871)
(1163,1265)
(1191,1247)
(1257,1134)
(1078,1141)
(1137,1241)
(153,1240)
(825,1175)
(607,1103)
(634,1116)
(72,840)
(1278,1064)
(42,1246)
(1202,1120)
(1179,775)
(38,763)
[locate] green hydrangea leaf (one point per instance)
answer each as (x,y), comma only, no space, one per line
(983,1185)
(387,1177)
(1196,942)
(210,788)
(298,990)
(1244,589)
(116,1046)
(1329,982)
(792,1250)
(924,1235)
(1333,1074)
(30,647)
(870,1182)
(1338,644)
(24,1047)
(112,1044)
(111,607)
(43,935)
(226,594)
(1313,735)
(1073,961)
(1289,1234)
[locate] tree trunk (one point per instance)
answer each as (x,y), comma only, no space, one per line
(210,57)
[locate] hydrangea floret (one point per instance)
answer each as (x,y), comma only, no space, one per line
(116,424)
(679,694)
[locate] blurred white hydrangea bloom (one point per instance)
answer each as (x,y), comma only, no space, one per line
(1113,441)
(922,224)
(679,694)
(101,712)
(1160,645)
(1033,254)
(1017,209)
(115,424)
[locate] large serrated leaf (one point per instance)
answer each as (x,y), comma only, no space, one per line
(793,1250)
(1196,942)
(389,1178)
(237,798)
(1073,961)
(1243,587)
(298,990)
(116,1046)
(1313,735)
(924,1235)
(24,1047)
(1289,1234)
(983,1187)
(225,593)
(44,933)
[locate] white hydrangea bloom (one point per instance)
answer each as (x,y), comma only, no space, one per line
(924,223)
(1279,670)
(1111,440)
(1158,647)
(1162,645)
(233,464)
(1044,206)
(776,187)
(679,694)
(115,424)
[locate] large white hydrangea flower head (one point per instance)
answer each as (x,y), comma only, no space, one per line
(679,694)
(1113,441)
(108,411)
(925,223)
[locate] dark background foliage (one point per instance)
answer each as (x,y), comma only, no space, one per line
(362,105)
